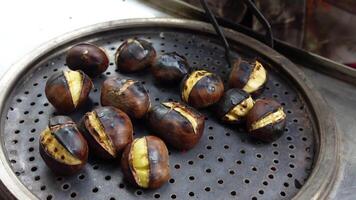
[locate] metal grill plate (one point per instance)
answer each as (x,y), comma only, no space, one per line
(226,164)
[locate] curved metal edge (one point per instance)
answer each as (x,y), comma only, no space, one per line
(326,169)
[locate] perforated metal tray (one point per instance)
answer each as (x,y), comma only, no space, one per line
(226,164)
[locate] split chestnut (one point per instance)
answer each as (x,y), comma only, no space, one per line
(108,130)
(178,125)
(68,90)
(249,76)
(126,94)
(134,55)
(201,89)
(145,162)
(234,106)
(266,120)
(62,146)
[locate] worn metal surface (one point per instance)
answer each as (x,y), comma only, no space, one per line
(224,164)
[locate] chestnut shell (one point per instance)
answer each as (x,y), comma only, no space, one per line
(158,161)
(58,93)
(175,129)
(134,100)
(67,134)
(270,132)
(89,58)
(134,55)
(240,74)
(228,101)
(170,68)
(206,92)
(117,126)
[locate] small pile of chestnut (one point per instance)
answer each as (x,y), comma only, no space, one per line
(107,130)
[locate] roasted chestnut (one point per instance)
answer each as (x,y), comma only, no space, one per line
(62,146)
(170,68)
(145,162)
(89,58)
(178,125)
(234,106)
(126,94)
(249,76)
(134,55)
(266,120)
(68,90)
(202,88)
(108,130)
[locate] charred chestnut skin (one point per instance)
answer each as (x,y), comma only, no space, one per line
(126,94)
(241,73)
(134,55)
(67,134)
(206,92)
(158,161)
(175,129)
(117,127)
(270,132)
(170,68)
(87,57)
(59,95)
(230,99)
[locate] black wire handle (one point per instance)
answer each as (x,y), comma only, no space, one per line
(263,21)
(268,37)
(218,31)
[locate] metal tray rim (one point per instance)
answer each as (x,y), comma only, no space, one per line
(326,168)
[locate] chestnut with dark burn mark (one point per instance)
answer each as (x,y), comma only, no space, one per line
(145,162)
(201,89)
(170,68)
(134,55)
(89,58)
(234,106)
(68,90)
(126,94)
(249,76)
(266,120)
(62,146)
(108,130)
(178,125)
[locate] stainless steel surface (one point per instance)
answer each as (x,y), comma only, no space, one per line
(242,164)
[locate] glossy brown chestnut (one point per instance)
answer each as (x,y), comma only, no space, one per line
(249,76)
(134,55)
(178,125)
(170,68)
(234,106)
(201,89)
(266,120)
(68,90)
(126,94)
(145,162)
(62,146)
(108,130)
(89,58)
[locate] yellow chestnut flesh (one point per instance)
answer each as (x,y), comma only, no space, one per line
(140,162)
(75,84)
(240,110)
(56,149)
(183,112)
(191,81)
(100,134)
(256,79)
(269,119)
